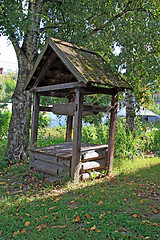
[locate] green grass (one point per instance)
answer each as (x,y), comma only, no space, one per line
(123,206)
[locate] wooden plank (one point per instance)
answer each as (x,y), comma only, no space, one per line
(96,164)
(93,154)
(76,147)
(36,65)
(57,87)
(51,169)
(35,116)
(45,68)
(112,130)
(55,94)
(31,160)
(101,90)
(52,159)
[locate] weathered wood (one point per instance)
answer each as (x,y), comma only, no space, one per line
(57,87)
(69,124)
(51,169)
(53,159)
(45,68)
(101,90)
(93,154)
(31,160)
(31,74)
(35,116)
(59,74)
(68,109)
(56,94)
(76,147)
(96,164)
(112,130)
(69,129)
(67,62)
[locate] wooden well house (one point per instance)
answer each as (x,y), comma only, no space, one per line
(66,71)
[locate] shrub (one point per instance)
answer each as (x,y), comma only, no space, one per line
(4,123)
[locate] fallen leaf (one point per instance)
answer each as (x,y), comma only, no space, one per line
(142,201)
(101,216)
(77,219)
(135,215)
(56,200)
(27,224)
(93,228)
(87,215)
(100,202)
(97,230)
(43,226)
(155,224)
(63,226)
(156,211)
(23,230)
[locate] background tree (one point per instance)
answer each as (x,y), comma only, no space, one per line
(99,25)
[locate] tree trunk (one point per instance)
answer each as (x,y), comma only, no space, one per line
(130,110)
(18,133)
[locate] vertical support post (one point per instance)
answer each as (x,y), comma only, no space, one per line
(76,146)
(112,130)
(69,129)
(69,125)
(35,116)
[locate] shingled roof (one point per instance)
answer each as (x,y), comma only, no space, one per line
(63,62)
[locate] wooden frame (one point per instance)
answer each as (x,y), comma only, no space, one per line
(67,71)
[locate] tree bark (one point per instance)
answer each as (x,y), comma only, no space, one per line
(18,133)
(130,110)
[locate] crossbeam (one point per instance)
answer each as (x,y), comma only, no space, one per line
(57,87)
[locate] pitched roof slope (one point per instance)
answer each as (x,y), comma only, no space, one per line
(86,66)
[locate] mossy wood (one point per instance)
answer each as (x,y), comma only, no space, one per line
(68,71)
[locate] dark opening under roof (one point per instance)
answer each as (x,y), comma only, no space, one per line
(62,62)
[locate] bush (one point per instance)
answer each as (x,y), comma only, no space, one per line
(5,116)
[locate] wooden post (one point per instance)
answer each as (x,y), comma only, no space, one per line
(112,130)
(76,146)
(35,116)
(69,129)
(69,124)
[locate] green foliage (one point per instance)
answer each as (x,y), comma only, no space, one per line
(4,123)
(44,121)
(7,86)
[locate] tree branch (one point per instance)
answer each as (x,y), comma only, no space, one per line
(102,26)
(48,27)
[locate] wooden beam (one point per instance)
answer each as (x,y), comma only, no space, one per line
(57,87)
(45,68)
(112,129)
(69,129)
(35,116)
(76,147)
(101,90)
(69,125)
(56,94)
(68,109)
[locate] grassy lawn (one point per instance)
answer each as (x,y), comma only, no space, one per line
(124,206)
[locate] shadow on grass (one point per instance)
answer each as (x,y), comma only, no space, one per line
(123,207)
